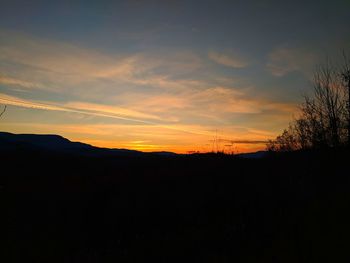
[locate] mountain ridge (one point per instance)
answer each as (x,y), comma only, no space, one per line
(54,143)
(59,144)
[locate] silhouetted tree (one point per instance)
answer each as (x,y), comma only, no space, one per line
(287,141)
(345,76)
(324,116)
(323,112)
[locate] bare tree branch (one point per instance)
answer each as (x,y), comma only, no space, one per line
(324,119)
(3,111)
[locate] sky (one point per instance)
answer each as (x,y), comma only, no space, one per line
(177,76)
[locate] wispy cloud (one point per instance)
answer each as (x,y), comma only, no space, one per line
(215,105)
(14,101)
(60,66)
(282,61)
(101,111)
(111,110)
(167,92)
(75,108)
(17,82)
(241,141)
(227,59)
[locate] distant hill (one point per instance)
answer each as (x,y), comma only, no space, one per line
(55,144)
(58,144)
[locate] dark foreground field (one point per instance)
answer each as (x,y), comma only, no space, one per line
(200,208)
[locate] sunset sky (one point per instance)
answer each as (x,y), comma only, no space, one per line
(163,75)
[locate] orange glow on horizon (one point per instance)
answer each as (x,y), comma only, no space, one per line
(179,149)
(148,138)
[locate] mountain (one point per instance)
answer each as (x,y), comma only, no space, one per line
(56,144)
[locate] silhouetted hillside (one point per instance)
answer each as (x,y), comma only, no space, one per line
(60,207)
(56,144)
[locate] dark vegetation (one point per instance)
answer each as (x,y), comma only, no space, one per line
(324,118)
(70,207)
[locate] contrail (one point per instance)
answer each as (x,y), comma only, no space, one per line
(43,106)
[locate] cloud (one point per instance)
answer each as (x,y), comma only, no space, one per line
(194,105)
(99,111)
(229,60)
(241,141)
(217,100)
(75,108)
(166,98)
(17,82)
(62,67)
(282,61)
(14,101)
(112,110)
(224,100)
